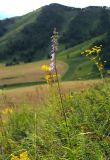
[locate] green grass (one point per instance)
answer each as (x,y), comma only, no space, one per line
(79,66)
(42,131)
(26,74)
(72,66)
(76,50)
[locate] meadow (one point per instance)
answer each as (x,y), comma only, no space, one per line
(24,74)
(56,110)
(31,131)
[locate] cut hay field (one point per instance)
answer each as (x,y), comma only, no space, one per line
(71,66)
(26,73)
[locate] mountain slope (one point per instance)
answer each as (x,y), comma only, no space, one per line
(71,65)
(27,38)
(80,67)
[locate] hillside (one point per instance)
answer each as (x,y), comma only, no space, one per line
(55,104)
(70,64)
(27,38)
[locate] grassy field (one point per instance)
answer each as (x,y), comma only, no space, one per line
(67,118)
(40,130)
(42,122)
(71,66)
(79,66)
(38,94)
(26,74)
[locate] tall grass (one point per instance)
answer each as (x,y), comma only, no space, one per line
(45,136)
(72,126)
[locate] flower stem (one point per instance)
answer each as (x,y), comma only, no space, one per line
(62,107)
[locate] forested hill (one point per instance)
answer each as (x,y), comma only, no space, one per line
(27,38)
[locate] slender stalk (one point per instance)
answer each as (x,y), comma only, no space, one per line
(4,136)
(54,69)
(2,133)
(102,77)
(62,106)
(35,135)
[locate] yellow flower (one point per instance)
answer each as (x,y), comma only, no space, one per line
(87,50)
(101,67)
(98,50)
(54,75)
(14,157)
(47,77)
(82,52)
(87,55)
(7,111)
(22,156)
(93,49)
(90,52)
(45,68)
(93,58)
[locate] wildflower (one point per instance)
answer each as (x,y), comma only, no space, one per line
(45,68)
(93,58)
(50,69)
(100,65)
(54,49)
(93,55)
(14,157)
(52,66)
(98,50)
(7,111)
(22,156)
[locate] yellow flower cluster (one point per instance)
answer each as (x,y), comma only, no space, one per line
(93,55)
(45,68)
(93,51)
(22,156)
(7,111)
(48,76)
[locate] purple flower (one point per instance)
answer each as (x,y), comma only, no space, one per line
(53,49)
(52,57)
(52,66)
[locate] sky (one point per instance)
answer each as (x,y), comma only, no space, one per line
(11,8)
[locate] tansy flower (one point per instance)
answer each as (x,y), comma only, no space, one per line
(93,55)
(45,68)
(14,157)
(22,156)
(7,111)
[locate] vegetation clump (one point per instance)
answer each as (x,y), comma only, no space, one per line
(66,126)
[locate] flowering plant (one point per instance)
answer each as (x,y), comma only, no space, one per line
(94,55)
(50,69)
(22,156)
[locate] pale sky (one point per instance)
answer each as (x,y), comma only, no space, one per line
(10,8)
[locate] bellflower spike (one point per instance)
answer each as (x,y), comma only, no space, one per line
(52,67)
(52,57)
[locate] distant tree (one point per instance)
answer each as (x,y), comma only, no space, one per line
(104,23)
